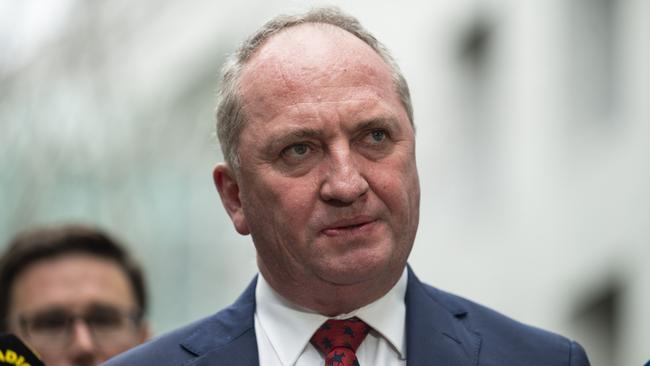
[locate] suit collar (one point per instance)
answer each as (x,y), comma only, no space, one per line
(436,331)
(227,337)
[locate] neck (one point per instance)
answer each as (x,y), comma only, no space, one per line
(331,299)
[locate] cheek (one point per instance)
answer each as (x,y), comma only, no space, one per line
(297,205)
(53,358)
(399,190)
(281,205)
(394,189)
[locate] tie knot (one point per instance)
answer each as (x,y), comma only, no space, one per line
(346,333)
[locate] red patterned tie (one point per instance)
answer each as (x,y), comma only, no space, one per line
(338,340)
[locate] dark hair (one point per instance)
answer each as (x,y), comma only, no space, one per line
(42,243)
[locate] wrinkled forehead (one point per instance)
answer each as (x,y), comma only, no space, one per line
(313,54)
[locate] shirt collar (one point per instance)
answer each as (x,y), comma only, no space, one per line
(289,327)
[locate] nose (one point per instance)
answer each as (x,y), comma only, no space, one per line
(82,347)
(344,183)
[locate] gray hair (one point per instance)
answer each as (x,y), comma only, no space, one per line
(230,115)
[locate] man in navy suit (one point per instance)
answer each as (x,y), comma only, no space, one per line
(316,126)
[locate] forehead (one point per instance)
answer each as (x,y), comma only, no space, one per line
(313,63)
(74,281)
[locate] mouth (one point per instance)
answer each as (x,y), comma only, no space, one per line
(349,226)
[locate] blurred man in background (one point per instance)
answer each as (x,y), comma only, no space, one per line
(73,294)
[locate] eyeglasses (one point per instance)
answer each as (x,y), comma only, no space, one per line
(110,328)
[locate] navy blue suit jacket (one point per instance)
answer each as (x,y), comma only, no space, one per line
(442,329)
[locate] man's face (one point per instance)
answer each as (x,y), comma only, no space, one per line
(327,185)
(75,310)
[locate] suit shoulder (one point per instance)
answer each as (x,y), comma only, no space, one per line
(165,349)
(496,329)
(197,338)
(486,320)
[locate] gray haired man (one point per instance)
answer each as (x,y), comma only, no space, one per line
(316,126)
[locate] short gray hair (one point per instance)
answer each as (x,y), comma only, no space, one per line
(231,117)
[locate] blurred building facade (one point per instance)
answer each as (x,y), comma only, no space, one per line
(533,124)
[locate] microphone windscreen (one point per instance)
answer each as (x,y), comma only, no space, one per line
(16,353)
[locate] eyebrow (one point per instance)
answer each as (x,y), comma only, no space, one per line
(58,309)
(388,123)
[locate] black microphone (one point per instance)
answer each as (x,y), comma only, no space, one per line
(13,352)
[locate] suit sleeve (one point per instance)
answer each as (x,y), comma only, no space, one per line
(578,355)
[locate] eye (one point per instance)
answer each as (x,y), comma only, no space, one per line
(378,135)
(50,321)
(375,138)
(375,143)
(298,149)
(296,153)
(105,319)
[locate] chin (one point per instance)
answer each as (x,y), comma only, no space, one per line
(357,271)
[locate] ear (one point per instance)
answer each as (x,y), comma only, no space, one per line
(226,183)
(145,332)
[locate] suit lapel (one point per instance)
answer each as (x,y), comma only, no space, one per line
(228,338)
(242,351)
(436,334)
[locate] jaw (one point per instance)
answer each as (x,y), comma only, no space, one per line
(332,295)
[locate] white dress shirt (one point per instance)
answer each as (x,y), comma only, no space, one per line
(283,329)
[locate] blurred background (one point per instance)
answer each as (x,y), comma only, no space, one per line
(533,141)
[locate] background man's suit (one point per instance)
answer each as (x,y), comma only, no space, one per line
(442,329)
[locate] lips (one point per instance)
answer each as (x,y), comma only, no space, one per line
(348,226)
